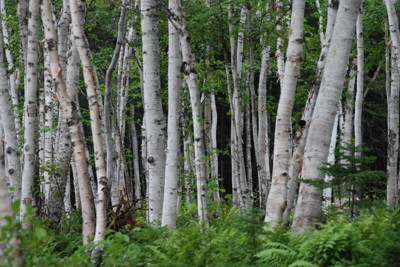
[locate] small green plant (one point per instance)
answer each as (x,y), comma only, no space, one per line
(353,182)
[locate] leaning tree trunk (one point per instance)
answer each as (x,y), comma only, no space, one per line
(192,81)
(107,101)
(14,72)
(72,119)
(155,121)
(30,124)
(7,120)
(308,209)
(301,134)
(89,74)
(171,167)
(277,195)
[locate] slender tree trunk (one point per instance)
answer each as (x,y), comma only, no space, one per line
(238,157)
(276,202)
(30,125)
(394,30)
(360,84)
(280,57)
(263,165)
(14,76)
(50,183)
(171,166)
(69,110)
(107,101)
(155,121)
(89,74)
(393,137)
(8,249)
(308,209)
(23,19)
(192,81)
(13,169)
(348,107)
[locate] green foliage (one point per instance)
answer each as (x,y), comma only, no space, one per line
(234,238)
(351,177)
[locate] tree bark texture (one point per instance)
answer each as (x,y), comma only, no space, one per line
(308,209)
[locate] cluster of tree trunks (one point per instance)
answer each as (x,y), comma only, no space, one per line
(157,178)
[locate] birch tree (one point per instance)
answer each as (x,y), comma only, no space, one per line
(393,137)
(30,109)
(171,167)
(277,195)
(9,249)
(360,83)
(308,209)
(13,170)
(302,133)
(107,101)
(154,117)
(70,111)
(190,74)
(89,74)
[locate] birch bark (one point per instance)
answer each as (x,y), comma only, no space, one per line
(191,78)
(9,249)
(14,76)
(30,124)
(360,84)
(302,133)
(394,30)
(13,171)
(107,101)
(155,121)
(393,137)
(91,88)
(308,209)
(277,196)
(171,166)
(69,110)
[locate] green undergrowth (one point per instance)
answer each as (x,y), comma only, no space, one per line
(232,238)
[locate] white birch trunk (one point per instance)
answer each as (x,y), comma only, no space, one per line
(115,197)
(302,133)
(7,247)
(263,165)
(238,157)
(72,120)
(14,76)
(171,167)
(48,135)
(13,168)
(360,84)
(30,116)
(98,142)
(193,85)
(348,107)
(276,202)
(280,57)
(327,192)
(308,209)
(393,137)
(155,121)
(394,30)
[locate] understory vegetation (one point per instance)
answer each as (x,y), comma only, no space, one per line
(232,238)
